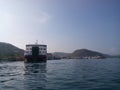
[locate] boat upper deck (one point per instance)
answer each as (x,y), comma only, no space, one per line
(34,45)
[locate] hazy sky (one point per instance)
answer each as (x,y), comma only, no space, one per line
(64,25)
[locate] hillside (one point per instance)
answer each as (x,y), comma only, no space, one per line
(78,54)
(8,51)
(85,53)
(60,54)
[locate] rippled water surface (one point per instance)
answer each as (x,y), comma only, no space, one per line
(61,75)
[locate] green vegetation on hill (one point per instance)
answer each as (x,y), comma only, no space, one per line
(9,51)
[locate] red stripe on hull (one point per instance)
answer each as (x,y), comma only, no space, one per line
(40,58)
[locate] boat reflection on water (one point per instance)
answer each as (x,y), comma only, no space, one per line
(31,68)
(35,76)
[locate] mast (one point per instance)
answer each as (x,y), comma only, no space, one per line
(36,42)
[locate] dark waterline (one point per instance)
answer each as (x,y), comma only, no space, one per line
(61,75)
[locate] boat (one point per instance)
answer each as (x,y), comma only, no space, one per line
(35,53)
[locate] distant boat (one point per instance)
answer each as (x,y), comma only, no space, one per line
(35,53)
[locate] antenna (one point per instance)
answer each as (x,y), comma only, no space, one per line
(42,42)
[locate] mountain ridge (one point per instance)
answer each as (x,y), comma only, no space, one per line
(9,51)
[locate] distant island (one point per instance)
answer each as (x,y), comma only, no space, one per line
(11,52)
(87,54)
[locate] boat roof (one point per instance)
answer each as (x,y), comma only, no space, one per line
(36,45)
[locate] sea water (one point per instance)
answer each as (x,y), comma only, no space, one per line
(79,74)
